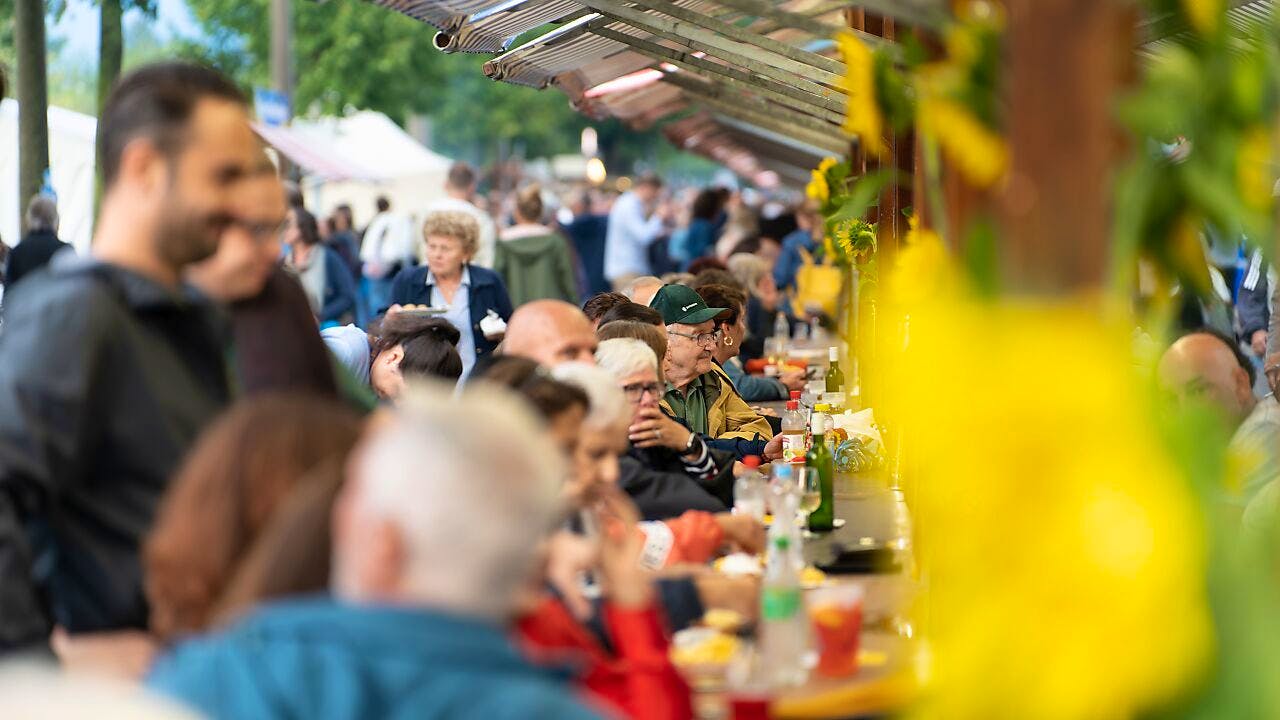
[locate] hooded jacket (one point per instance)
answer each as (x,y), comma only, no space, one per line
(535,263)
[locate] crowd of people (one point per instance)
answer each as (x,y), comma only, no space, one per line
(266,465)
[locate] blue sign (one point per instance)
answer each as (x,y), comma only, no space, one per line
(271,106)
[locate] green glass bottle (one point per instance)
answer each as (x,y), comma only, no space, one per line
(821,461)
(835,376)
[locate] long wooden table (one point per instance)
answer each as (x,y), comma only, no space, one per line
(875,516)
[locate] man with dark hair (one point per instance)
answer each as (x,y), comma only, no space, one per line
(40,243)
(460,195)
(632,311)
(601,303)
(1208,366)
(109,365)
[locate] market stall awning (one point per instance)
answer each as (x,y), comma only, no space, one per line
(321,162)
(767,65)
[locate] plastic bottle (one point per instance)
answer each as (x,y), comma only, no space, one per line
(784,627)
(750,491)
(821,461)
(782,328)
(793,433)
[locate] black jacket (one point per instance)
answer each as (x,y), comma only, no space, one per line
(106,378)
(656,480)
(31,254)
(487,293)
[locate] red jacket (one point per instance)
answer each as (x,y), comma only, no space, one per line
(637,680)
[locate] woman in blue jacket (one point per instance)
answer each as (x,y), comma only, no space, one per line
(327,280)
(468,294)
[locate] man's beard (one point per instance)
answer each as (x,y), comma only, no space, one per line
(184,236)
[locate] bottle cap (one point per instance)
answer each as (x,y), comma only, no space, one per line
(822,407)
(795,395)
(782,542)
(751,461)
(833,354)
(793,404)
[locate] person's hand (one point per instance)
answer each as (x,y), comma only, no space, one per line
(740,593)
(792,377)
(125,654)
(1271,368)
(763,411)
(625,582)
(743,532)
(773,449)
(1259,343)
(374,269)
(568,557)
(652,428)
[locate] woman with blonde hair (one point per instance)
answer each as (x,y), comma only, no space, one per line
(463,293)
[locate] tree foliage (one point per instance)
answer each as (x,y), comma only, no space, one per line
(351,54)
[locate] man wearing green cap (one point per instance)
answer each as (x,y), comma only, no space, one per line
(696,395)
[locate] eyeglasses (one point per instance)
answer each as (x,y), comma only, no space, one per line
(635,391)
(709,338)
(261,232)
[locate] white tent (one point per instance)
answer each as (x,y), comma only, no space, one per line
(395,165)
(71,164)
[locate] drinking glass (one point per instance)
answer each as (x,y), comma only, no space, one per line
(836,614)
(809,486)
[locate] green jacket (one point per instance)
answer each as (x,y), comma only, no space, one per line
(536,266)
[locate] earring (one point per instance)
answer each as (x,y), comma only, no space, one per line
(728,342)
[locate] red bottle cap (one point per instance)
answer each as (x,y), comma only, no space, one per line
(751,461)
(795,395)
(793,404)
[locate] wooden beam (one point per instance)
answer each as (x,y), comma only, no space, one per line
(782,18)
(1055,209)
(746,37)
(798,89)
(728,89)
(751,56)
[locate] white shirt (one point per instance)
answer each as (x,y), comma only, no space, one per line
(388,239)
(631,230)
(488,231)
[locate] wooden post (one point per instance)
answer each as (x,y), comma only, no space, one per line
(1055,211)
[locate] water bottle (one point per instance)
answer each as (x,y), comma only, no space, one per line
(793,433)
(784,627)
(781,328)
(749,490)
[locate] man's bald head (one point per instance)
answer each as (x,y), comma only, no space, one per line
(550,332)
(1205,366)
(642,289)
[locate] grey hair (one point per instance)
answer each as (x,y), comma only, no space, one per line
(624,357)
(42,214)
(747,269)
(608,405)
(432,471)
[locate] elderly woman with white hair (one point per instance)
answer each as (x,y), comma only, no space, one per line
(694,522)
(666,468)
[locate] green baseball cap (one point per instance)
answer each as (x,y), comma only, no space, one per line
(681,304)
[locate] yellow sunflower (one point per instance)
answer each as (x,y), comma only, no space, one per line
(1253,163)
(818,189)
(978,152)
(863,118)
(1204,15)
(1050,519)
